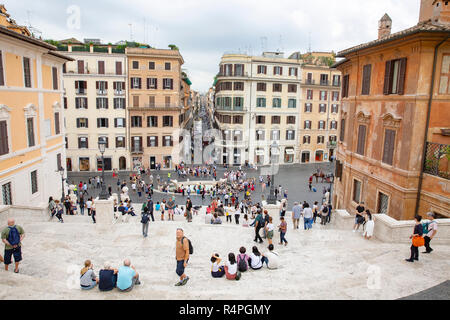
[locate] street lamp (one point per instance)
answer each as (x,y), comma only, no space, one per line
(272,199)
(61,172)
(102,146)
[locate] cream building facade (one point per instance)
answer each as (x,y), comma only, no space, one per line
(31,128)
(257,100)
(95,106)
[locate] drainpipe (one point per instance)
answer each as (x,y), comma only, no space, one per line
(425,136)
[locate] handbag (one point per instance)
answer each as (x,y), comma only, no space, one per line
(418,241)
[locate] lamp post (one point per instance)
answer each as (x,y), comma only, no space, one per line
(272,199)
(101,146)
(61,172)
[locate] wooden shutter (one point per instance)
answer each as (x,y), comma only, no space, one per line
(115,122)
(101,67)
(118,67)
(341,136)
(80,66)
(57,127)
(243,69)
(97,84)
(2,78)
(98,122)
(139,80)
(79,142)
(367,71)
(114,85)
(389,143)
(387,77)
(55,77)
(361,140)
(4,148)
(76,84)
(401,76)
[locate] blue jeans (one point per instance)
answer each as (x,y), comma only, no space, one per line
(93,284)
(82,210)
(307,222)
(266,260)
(282,238)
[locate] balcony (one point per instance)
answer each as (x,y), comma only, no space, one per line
(119,92)
(332,144)
(81,91)
(437,160)
(102,92)
(137,150)
(232,74)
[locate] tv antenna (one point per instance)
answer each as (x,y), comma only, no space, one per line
(263,44)
(32,29)
(131,31)
(309,42)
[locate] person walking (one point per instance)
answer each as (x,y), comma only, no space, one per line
(258,223)
(370,224)
(307,216)
(359,219)
(189,210)
(145,219)
(181,256)
(237,213)
(59,211)
(417,234)
(51,207)
(93,211)
(432,230)
(269,230)
(296,213)
(150,208)
(12,237)
(283,229)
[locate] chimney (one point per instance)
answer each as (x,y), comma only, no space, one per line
(426,10)
(384,27)
(441,12)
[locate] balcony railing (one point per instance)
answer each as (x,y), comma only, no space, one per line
(232,74)
(137,150)
(437,160)
(81,91)
(119,92)
(103,92)
(331,144)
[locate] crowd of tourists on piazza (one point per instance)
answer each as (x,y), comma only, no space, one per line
(230,202)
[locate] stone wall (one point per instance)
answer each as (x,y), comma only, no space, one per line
(387,229)
(30,214)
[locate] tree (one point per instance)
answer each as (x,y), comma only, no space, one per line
(173,47)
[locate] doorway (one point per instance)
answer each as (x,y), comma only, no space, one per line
(152,163)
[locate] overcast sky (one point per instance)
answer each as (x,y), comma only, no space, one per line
(205,29)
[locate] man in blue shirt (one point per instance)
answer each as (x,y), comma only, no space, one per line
(127,276)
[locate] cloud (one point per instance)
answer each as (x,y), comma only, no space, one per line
(205,29)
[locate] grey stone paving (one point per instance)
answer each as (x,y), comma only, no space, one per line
(439,292)
(294,178)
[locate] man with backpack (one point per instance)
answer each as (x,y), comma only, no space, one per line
(12,237)
(183,250)
(150,208)
(145,219)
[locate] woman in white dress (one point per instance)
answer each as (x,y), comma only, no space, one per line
(370,224)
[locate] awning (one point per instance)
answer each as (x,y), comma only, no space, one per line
(259,152)
(225,154)
(289,151)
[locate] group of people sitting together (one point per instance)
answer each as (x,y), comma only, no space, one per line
(233,268)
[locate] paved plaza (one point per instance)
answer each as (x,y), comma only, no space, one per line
(294,178)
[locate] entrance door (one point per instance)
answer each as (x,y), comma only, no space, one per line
(152,163)
(319,156)
(108,164)
(69,164)
(305,157)
(122,163)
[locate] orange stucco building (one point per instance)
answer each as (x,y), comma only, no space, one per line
(31,117)
(394,146)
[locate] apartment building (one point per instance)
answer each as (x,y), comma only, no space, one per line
(95,103)
(257,99)
(320,91)
(31,128)
(155,109)
(393,149)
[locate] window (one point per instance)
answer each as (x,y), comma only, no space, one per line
(292,88)
(238,119)
(260,135)
(55,78)
(167,66)
(239,86)
(105,140)
(276,102)
(361,140)
(101,67)
(136,144)
(293,71)
(167,141)
(152,83)
(323,79)
(322,108)
(278,71)
(275,135)
(320,139)
(80,87)
(80,66)
(262,69)
(276,119)
(136,121)
(102,122)
(335,96)
(332,138)
(261,102)
(367,70)
(290,120)
(261,86)
(152,121)
(292,103)
(389,146)
(167,121)
(445,74)
(168,83)
(309,94)
(309,79)
(120,142)
(228,68)
(65,102)
(135,64)
(167,101)
(152,141)
(277,87)
(333,125)
(83,143)
(119,122)
(290,135)
(238,102)
(345,85)
(227,102)
(237,136)
(102,103)
(2,76)
(119,87)
(118,67)
(239,70)
(58,161)
(306,139)
(308,107)
(30,132)
(307,124)
(4,141)
(334,108)
(321,125)
(151,101)
(226,119)
(27,72)
(57,125)
(336,80)
(356,191)
(119,103)
(260,119)
(135,83)
(394,77)
(342,133)
(151,65)
(7,194)
(82,123)
(34,182)
(226,85)
(323,95)
(101,87)
(383,203)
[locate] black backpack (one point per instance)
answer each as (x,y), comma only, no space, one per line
(145,218)
(191,248)
(242,265)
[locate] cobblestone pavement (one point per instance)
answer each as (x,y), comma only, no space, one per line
(294,178)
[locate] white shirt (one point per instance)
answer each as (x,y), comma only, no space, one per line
(256,261)
(273,259)
(232,268)
(432,228)
(215,267)
(307,213)
(270,227)
(88,204)
(209,218)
